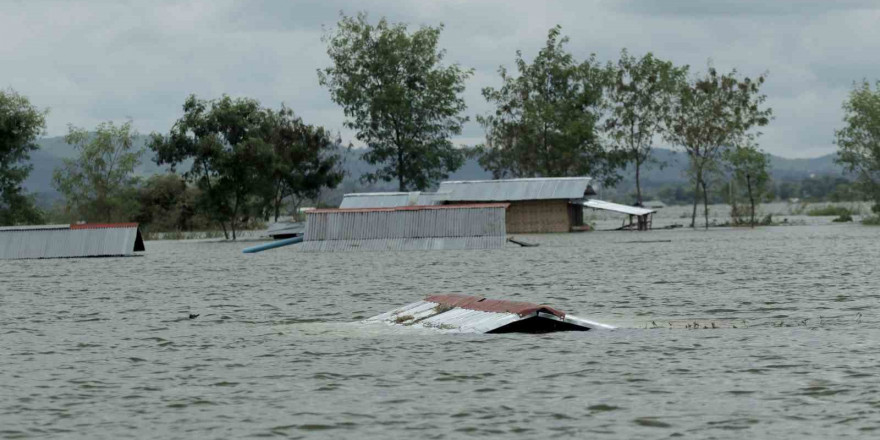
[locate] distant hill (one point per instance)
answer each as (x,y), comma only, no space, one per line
(53,150)
(671,167)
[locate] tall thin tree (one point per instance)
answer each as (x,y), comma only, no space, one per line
(399,97)
(640,93)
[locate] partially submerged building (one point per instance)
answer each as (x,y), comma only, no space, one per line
(536,205)
(640,218)
(474,226)
(70,241)
(472,314)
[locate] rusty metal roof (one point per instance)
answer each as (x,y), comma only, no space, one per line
(540,188)
(471,314)
(70,241)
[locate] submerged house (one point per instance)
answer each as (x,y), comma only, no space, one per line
(474,226)
(70,241)
(536,205)
(640,218)
(453,313)
(541,204)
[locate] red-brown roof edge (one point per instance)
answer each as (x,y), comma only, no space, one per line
(410,208)
(103,225)
(492,305)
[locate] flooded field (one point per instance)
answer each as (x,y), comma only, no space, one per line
(104,348)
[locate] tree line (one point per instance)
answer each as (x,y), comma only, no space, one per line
(555,116)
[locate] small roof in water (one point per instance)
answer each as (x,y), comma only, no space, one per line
(616,207)
(473,314)
(70,241)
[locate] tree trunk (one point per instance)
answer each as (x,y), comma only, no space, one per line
(277,201)
(234,222)
(751,198)
(696,201)
(225,233)
(401,182)
(638,184)
(705,203)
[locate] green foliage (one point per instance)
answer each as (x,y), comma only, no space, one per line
(226,139)
(843,218)
(167,203)
(401,100)
(306,159)
(710,114)
(99,185)
(858,143)
(750,177)
(871,221)
(246,159)
(830,211)
(640,93)
(20,125)
(545,119)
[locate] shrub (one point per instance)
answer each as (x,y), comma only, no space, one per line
(871,221)
(843,218)
(839,211)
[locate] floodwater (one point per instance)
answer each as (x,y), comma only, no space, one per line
(103,348)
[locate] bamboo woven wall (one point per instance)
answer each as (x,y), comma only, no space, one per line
(539,216)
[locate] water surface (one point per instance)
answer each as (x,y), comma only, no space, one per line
(103,348)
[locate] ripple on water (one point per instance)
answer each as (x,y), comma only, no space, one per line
(105,347)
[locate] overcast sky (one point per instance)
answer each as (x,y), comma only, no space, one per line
(92,61)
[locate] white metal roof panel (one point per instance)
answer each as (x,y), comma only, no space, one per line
(616,207)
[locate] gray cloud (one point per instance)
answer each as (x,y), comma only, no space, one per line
(91,61)
(739,7)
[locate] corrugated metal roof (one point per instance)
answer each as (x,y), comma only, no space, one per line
(469,314)
(287,229)
(540,188)
(388,199)
(70,241)
(33,228)
(413,227)
(616,207)
(404,244)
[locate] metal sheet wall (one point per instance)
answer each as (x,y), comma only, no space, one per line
(22,243)
(447,227)
(411,223)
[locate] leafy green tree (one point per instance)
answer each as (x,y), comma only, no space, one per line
(20,125)
(167,204)
(545,119)
(99,185)
(398,96)
(858,142)
(227,141)
(640,93)
(710,114)
(306,160)
(749,172)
